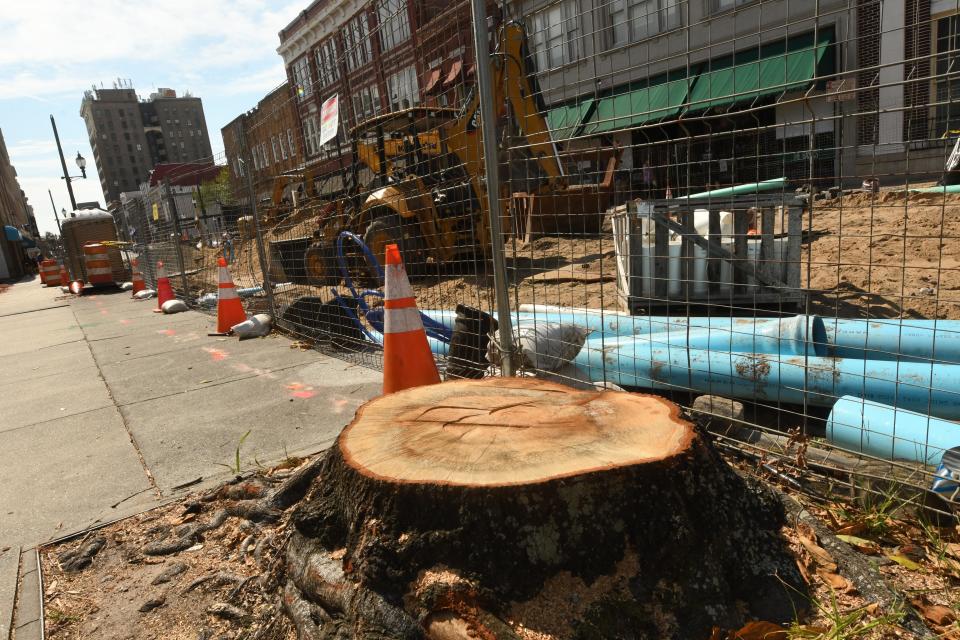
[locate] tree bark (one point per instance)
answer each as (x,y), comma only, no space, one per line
(472,498)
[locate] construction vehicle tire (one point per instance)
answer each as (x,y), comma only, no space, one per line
(320,265)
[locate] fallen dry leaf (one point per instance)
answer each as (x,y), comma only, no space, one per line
(905,562)
(936,614)
(851,529)
(751,631)
(836,581)
(860,544)
(809,541)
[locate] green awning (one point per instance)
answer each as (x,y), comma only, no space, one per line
(564,121)
(633,108)
(787,65)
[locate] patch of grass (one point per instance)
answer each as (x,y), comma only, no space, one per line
(842,625)
(235,467)
(878,516)
(61,618)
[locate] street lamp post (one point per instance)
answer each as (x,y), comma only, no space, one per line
(81,163)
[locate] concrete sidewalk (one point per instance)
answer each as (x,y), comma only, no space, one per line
(107,408)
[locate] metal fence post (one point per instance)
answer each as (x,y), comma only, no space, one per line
(488,128)
(264,267)
(176,242)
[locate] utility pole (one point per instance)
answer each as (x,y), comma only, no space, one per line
(488,127)
(63,163)
(55,216)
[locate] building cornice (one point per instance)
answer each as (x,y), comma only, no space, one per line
(326,21)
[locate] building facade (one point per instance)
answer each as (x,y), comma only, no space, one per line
(270,132)
(16,218)
(130,136)
(380,56)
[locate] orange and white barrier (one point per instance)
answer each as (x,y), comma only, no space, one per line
(229,308)
(97,262)
(137,278)
(164,290)
(407,359)
(50,273)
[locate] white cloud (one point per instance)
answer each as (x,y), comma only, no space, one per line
(174,39)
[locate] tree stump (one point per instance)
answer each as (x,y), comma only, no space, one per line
(487,508)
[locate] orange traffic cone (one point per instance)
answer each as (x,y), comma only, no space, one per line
(229,308)
(407,359)
(164,290)
(64,277)
(138,284)
(76,287)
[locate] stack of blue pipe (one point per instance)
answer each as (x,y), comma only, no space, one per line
(893,385)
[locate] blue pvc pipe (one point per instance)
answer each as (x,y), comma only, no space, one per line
(887,432)
(614,324)
(770,378)
(904,340)
(875,339)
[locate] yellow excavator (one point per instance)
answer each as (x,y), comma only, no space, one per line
(428,195)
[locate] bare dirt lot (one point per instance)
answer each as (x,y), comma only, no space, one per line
(882,255)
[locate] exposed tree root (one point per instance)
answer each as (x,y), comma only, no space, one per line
(81,557)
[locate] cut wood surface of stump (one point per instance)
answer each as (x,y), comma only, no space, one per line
(507,504)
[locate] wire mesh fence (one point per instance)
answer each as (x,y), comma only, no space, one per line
(751,200)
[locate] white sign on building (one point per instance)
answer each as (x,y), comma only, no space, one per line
(329,119)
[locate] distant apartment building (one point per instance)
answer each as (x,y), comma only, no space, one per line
(270,132)
(130,136)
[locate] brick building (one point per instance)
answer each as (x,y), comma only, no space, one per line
(378,56)
(271,130)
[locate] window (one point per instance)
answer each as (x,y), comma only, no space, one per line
(302,78)
(556,33)
(947,79)
(722,5)
(632,20)
(273,146)
(293,147)
(328,71)
(356,42)
(403,89)
(394,22)
(366,103)
(311,134)
(283,146)
(263,154)
(139,147)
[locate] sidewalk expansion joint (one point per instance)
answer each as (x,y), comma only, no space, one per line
(123,420)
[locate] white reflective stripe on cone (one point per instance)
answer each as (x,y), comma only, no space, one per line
(225,276)
(228,293)
(99,272)
(398,285)
(402,320)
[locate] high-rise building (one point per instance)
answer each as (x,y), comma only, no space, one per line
(130,136)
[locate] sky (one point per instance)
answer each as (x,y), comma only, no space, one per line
(222,51)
